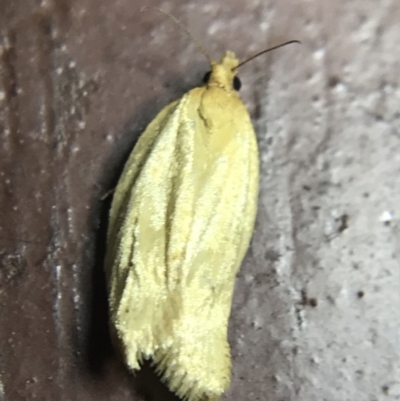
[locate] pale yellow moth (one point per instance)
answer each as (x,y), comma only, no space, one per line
(180,223)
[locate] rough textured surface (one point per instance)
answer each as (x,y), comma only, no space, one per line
(315,313)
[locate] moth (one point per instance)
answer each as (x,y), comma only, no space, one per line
(180,224)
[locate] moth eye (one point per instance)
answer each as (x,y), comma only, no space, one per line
(206,77)
(236,83)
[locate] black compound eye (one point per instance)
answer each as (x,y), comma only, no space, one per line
(206,77)
(236,83)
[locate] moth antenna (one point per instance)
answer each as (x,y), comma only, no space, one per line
(266,51)
(199,46)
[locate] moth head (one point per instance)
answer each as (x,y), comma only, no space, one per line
(223,74)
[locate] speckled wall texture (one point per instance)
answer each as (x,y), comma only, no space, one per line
(316,308)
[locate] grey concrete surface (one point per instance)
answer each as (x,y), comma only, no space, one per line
(315,312)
